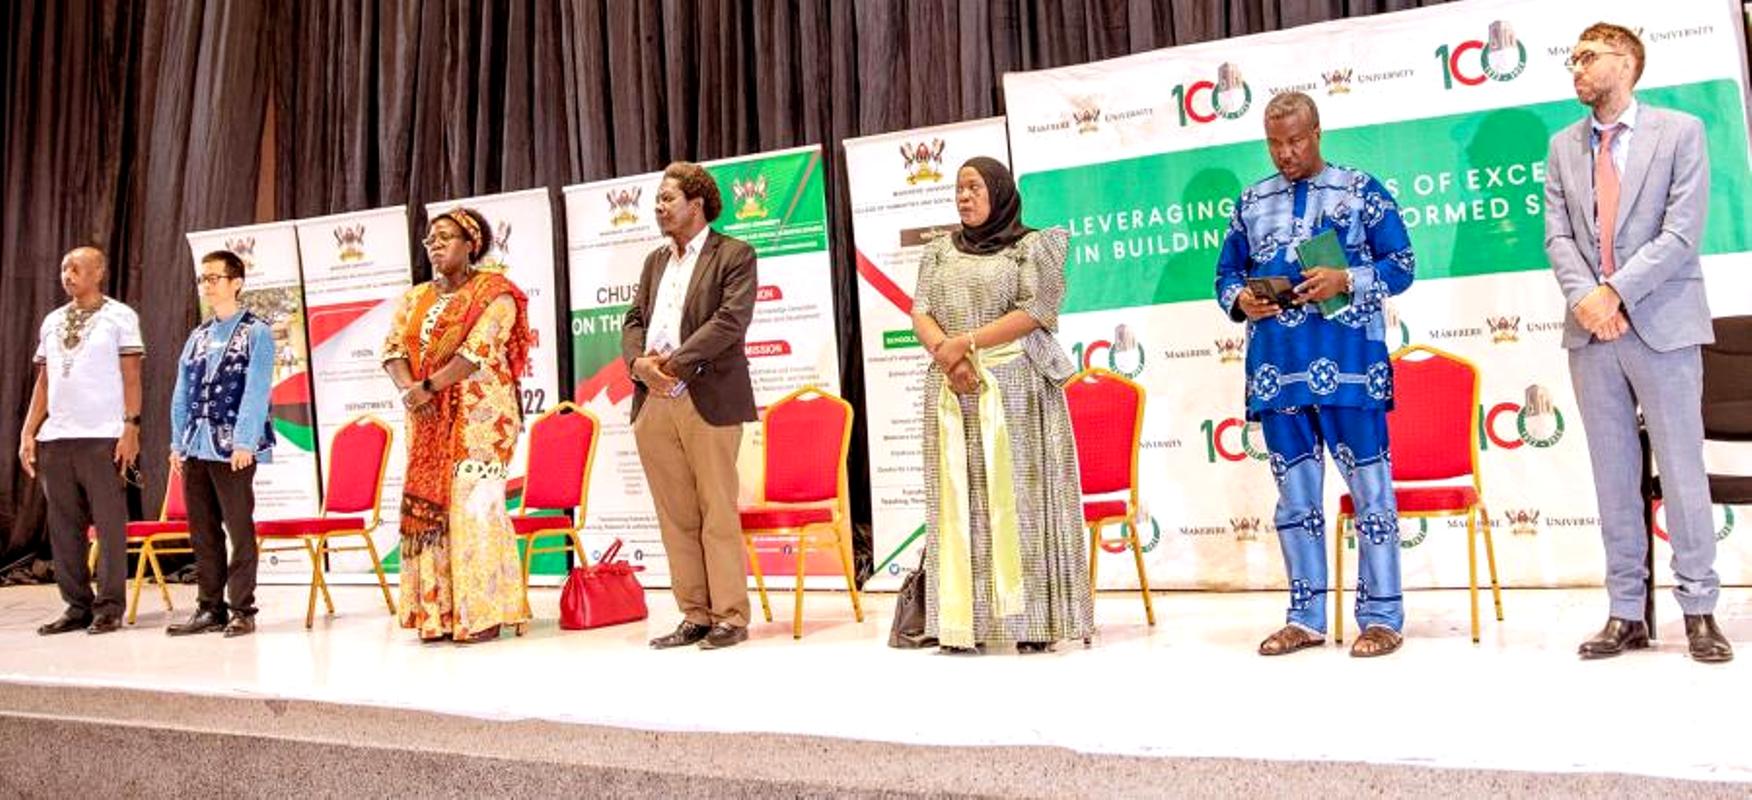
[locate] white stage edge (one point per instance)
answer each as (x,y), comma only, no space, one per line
(1191,687)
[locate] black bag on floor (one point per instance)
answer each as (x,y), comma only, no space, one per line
(908,632)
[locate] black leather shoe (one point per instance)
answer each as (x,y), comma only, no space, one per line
(1708,645)
(67,623)
(684,634)
(1618,636)
(201,622)
(105,623)
(240,626)
(723,636)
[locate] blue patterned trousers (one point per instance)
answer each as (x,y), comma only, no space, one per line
(1357,438)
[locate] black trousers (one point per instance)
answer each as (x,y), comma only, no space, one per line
(221,501)
(84,488)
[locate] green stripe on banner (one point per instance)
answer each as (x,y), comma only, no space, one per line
(301,436)
(917,532)
(1147,230)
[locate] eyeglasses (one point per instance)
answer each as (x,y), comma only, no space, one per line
(211,279)
(443,239)
(1585,58)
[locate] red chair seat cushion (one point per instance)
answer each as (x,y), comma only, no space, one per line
(762,518)
(143,529)
(528,525)
(1424,499)
(309,526)
(1103,509)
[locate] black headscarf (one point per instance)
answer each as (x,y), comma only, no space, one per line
(1004,226)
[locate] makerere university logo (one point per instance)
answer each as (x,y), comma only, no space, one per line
(1338,81)
(1503,330)
(751,197)
(350,243)
(924,161)
(623,206)
(244,248)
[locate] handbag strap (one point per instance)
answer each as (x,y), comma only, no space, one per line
(609,554)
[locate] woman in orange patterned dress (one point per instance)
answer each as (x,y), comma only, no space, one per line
(455,350)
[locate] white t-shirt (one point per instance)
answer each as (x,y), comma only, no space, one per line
(85,382)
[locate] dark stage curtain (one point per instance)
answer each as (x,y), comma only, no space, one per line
(128,123)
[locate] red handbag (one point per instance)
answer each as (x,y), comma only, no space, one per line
(602,595)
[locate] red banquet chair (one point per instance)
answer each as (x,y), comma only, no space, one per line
(1430,432)
(150,539)
(556,478)
(357,459)
(1107,420)
(805,438)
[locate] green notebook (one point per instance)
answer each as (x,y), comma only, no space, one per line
(1324,250)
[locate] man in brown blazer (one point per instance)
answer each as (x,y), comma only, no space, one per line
(683,341)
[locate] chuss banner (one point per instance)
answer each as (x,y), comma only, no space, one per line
(287,485)
(902,195)
(1143,157)
(356,268)
(776,203)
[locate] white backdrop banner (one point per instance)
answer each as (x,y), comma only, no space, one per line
(287,485)
(357,266)
(1142,157)
(902,189)
(776,203)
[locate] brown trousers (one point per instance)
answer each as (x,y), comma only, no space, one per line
(690,466)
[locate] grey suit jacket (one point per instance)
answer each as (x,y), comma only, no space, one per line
(1662,201)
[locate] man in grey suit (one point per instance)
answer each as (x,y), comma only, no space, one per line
(1626,193)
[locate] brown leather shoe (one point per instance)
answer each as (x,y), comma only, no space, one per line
(1708,645)
(1377,640)
(684,634)
(201,622)
(1289,639)
(1618,636)
(66,623)
(104,623)
(240,625)
(722,636)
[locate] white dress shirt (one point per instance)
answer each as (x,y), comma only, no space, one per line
(664,334)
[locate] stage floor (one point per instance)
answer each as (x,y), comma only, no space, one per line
(1190,687)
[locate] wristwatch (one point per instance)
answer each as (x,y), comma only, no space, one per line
(131,419)
(426,385)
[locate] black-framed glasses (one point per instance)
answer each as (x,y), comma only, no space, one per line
(1586,58)
(211,279)
(131,475)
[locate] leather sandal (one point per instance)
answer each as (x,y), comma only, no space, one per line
(1376,640)
(1289,639)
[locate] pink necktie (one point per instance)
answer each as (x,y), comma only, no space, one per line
(1606,198)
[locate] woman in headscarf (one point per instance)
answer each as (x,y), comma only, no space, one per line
(1005,553)
(456,348)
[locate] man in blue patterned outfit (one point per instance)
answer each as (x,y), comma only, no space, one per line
(1314,380)
(219,430)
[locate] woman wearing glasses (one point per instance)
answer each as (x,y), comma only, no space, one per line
(219,430)
(455,351)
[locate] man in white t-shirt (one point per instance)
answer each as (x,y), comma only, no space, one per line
(81,437)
